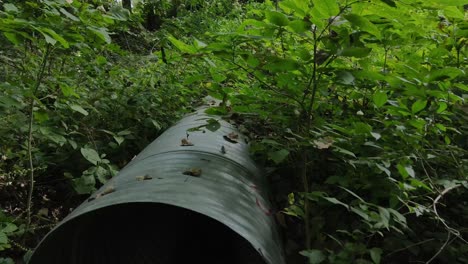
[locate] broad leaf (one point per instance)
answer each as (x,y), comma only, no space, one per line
(375,254)
(327,8)
(10,8)
(299,7)
(277,18)
(315,256)
(213,125)
(79,109)
(182,46)
(101,33)
(278,156)
(418,106)
(91,155)
(355,52)
(380,98)
(363,24)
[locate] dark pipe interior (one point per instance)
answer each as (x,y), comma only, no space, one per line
(145,233)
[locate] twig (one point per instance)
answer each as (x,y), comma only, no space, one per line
(440,249)
(434,206)
(40,75)
(410,246)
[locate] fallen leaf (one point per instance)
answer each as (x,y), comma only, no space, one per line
(233,135)
(228,139)
(108,190)
(184,142)
(195,172)
(144,178)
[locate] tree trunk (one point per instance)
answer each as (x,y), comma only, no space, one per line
(127,4)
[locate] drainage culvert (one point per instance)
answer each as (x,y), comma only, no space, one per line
(192,196)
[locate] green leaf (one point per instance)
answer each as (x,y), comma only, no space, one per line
(363,24)
(356,52)
(447,73)
(181,45)
(72,143)
(361,213)
(299,7)
(418,106)
(100,60)
(345,77)
(278,156)
(56,138)
(277,18)
(199,44)
(385,217)
(278,64)
(69,15)
(91,155)
(419,184)
(382,168)
(442,107)
(299,26)
(449,2)
(376,135)
(327,8)
(85,184)
(453,12)
(212,125)
(101,174)
(118,139)
(333,200)
(41,116)
(79,109)
(156,124)
(315,256)
(410,171)
(101,33)
(12,37)
(380,98)
(399,217)
(3,238)
(344,151)
(125,132)
(119,13)
(49,39)
(67,91)
(352,193)
(375,254)
(10,227)
(401,169)
(389,2)
(54,35)
(10,8)
(441,127)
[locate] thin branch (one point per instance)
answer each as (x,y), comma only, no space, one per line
(410,246)
(441,248)
(434,206)
(40,75)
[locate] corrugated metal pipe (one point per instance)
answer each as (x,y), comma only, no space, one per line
(191,196)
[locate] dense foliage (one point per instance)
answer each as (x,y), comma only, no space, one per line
(360,105)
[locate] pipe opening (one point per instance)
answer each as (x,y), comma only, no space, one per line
(145,233)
